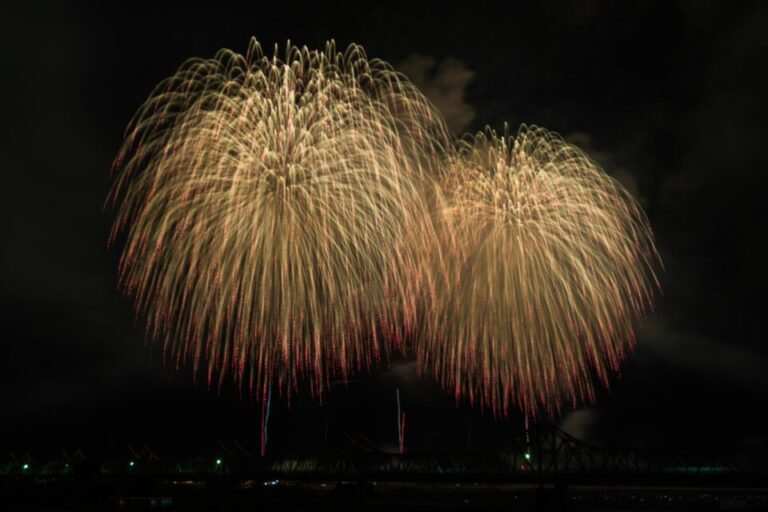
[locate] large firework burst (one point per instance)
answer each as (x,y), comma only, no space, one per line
(547,261)
(269,208)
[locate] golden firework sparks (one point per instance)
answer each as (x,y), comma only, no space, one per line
(546,261)
(273,211)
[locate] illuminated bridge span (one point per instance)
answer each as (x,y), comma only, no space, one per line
(545,455)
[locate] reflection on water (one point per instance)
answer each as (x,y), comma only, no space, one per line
(277,495)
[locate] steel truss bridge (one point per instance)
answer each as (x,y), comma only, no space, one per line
(542,455)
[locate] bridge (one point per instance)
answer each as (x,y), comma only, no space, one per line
(543,455)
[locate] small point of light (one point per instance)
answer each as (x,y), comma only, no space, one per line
(25,467)
(131,463)
(218,462)
(527,456)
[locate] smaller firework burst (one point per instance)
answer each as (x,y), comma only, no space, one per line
(545,262)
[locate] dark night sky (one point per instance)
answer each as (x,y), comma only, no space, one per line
(669,96)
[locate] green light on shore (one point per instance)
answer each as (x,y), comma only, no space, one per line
(218,462)
(527,456)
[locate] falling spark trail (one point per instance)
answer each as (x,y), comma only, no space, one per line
(397,418)
(266,408)
(402,433)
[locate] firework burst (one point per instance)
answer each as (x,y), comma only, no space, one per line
(546,262)
(270,207)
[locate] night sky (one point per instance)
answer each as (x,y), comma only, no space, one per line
(670,97)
